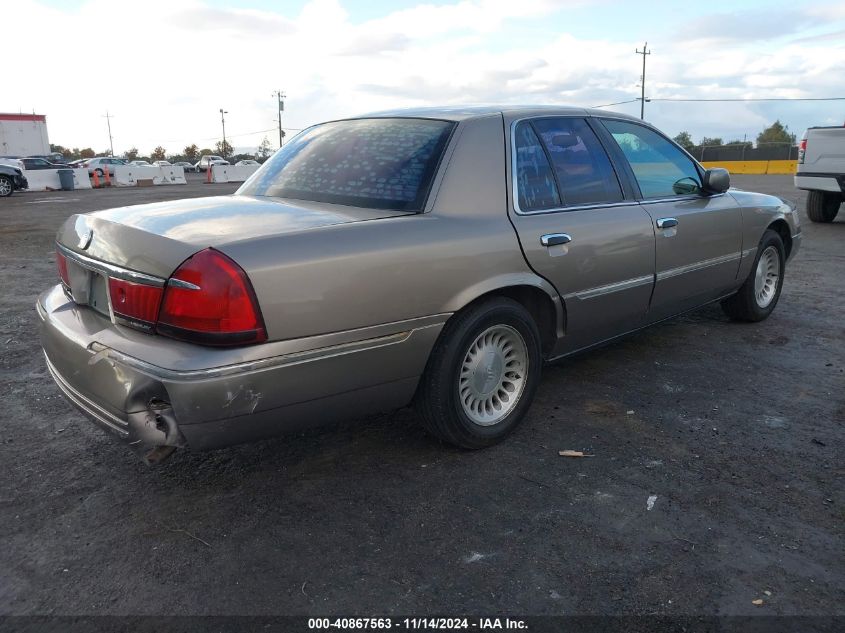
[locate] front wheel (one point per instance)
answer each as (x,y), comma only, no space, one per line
(6,186)
(823,206)
(482,374)
(758,296)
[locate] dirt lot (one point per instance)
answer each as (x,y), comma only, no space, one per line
(735,430)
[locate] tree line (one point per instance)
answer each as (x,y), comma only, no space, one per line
(190,153)
(775,133)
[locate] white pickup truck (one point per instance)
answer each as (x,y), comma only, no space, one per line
(821,171)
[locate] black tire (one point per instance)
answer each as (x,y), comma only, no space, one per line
(438,399)
(744,305)
(822,206)
(99,172)
(7,187)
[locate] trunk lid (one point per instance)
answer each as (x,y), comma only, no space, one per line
(155,238)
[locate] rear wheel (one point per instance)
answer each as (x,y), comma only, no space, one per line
(6,186)
(822,206)
(482,374)
(758,296)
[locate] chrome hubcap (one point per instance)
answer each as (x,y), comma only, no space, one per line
(493,375)
(5,187)
(766,277)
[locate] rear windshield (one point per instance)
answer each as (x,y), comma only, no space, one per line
(374,163)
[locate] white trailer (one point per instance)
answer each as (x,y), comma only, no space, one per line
(23,135)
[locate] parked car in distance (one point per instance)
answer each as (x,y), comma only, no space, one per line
(79,163)
(103,164)
(188,167)
(162,163)
(247,163)
(40,163)
(437,260)
(208,159)
(11,179)
(12,162)
(821,171)
(140,163)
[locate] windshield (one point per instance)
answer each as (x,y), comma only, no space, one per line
(373,163)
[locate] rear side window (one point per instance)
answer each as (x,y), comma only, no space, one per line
(376,163)
(535,182)
(583,170)
(661,169)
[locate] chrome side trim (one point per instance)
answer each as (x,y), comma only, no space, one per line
(110,269)
(749,251)
(562,209)
(284,360)
(619,286)
(97,412)
(179,283)
(707,263)
(681,198)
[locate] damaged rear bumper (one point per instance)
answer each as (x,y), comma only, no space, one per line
(157,394)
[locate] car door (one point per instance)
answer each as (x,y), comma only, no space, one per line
(698,236)
(579,229)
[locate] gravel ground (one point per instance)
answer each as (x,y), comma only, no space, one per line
(716,480)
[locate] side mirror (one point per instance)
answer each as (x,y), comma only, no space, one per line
(717,180)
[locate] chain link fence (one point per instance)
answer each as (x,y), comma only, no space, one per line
(745,151)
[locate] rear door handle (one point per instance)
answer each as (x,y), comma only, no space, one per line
(554,239)
(666,223)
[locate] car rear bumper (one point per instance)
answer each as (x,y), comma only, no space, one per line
(149,401)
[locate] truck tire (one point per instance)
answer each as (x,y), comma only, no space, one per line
(822,206)
(482,374)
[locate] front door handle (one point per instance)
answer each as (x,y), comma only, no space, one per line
(554,239)
(666,223)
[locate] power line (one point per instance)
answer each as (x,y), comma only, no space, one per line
(758,99)
(607,105)
(736,100)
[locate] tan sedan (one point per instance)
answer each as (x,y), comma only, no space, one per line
(434,257)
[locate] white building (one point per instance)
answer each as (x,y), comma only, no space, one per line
(23,135)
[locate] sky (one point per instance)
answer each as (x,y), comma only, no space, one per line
(165,68)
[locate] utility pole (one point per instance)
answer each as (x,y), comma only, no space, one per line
(280,96)
(108,122)
(643,52)
(223,114)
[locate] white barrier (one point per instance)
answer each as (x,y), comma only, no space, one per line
(232,173)
(48,179)
(129,175)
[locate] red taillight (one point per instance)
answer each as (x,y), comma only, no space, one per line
(134,301)
(209,300)
(802,150)
(61,264)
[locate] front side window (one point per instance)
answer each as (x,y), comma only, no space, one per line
(661,169)
(384,163)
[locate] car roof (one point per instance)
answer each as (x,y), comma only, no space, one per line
(463,113)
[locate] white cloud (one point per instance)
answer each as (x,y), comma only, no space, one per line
(164,68)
